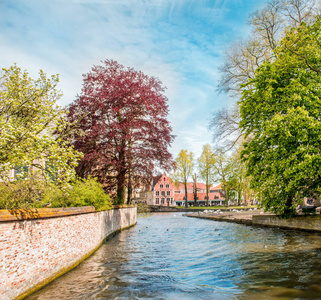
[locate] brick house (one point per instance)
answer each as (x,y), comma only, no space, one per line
(162,191)
(165,193)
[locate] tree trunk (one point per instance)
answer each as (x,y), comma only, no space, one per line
(207,200)
(121,178)
(226,198)
(120,187)
(207,188)
(288,210)
(195,189)
(186,198)
(239,197)
(245,197)
(129,185)
(129,189)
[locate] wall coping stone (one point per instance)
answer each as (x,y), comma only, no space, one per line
(42,213)
(123,206)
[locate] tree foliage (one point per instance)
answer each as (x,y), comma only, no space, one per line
(268,27)
(223,171)
(30,122)
(126,133)
(184,169)
(195,189)
(33,193)
(280,109)
(82,192)
(206,168)
(239,180)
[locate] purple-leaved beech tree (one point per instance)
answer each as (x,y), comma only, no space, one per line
(124,132)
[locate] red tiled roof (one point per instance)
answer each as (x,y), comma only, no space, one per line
(189,185)
(217,187)
(201,196)
(156,179)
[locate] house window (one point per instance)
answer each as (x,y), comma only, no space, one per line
(168,199)
(168,193)
(161,186)
(157,193)
(171,200)
(167,186)
(163,193)
(157,200)
(163,201)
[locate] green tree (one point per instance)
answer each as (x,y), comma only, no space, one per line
(239,180)
(223,170)
(280,110)
(195,189)
(184,169)
(206,168)
(268,25)
(31,125)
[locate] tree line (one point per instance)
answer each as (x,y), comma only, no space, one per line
(214,166)
(275,78)
(116,131)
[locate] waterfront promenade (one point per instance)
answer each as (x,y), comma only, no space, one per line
(257,217)
(235,216)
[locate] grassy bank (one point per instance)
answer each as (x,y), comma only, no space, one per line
(218,207)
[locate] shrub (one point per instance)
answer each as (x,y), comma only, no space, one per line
(88,192)
(21,194)
(27,194)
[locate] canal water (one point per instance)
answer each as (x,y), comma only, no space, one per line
(170,256)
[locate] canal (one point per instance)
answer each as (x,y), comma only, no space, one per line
(169,256)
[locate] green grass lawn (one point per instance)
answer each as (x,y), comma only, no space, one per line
(219,207)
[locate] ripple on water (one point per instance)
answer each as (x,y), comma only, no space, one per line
(168,256)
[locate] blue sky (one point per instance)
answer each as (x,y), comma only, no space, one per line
(182,42)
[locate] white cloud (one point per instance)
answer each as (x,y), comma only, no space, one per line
(181,42)
(192,139)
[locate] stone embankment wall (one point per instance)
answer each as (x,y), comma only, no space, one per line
(35,251)
(258,218)
(159,208)
(309,223)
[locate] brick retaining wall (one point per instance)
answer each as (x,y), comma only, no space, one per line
(34,252)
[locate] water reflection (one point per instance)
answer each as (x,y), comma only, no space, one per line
(168,256)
